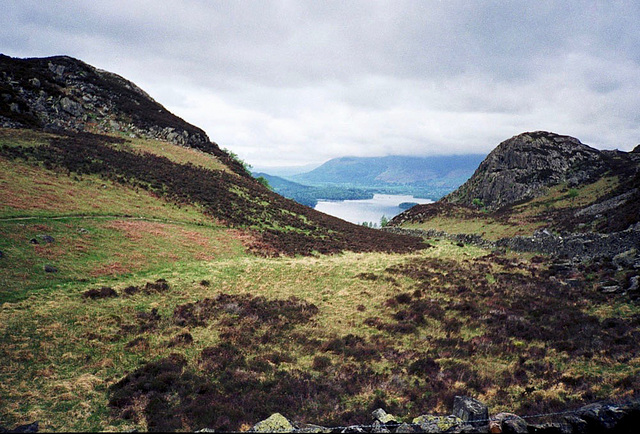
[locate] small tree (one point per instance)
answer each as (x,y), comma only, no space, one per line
(384,221)
(477,202)
(262,180)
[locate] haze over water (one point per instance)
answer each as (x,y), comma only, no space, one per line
(367,210)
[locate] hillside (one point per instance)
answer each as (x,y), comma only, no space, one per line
(148,282)
(540,180)
(70,98)
(308,195)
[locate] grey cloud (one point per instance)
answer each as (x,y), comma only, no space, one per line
(308,80)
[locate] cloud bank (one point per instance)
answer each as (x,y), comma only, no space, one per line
(297,82)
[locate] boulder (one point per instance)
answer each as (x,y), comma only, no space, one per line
(274,423)
(510,423)
(471,411)
(382,416)
(405,428)
(50,269)
(625,259)
(28,428)
(46,238)
(436,424)
(601,417)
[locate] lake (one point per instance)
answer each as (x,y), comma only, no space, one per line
(367,210)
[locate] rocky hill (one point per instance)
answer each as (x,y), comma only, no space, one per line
(96,116)
(523,166)
(67,94)
(547,180)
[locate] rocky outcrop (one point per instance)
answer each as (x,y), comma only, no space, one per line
(523,166)
(62,93)
(578,247)
(472,416)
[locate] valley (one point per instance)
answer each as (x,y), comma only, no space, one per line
(149,282)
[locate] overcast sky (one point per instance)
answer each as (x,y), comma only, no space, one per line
(297,82)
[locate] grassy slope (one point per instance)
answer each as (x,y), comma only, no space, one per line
(225,344)
(521,219)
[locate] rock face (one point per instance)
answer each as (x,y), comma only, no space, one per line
(523,166)
(62,93)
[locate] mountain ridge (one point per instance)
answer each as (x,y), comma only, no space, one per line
(393,169)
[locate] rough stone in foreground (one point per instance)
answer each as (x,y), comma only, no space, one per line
(510,423)
(435,424)
(470,410)
(274,423)
(523,166)
(382,416)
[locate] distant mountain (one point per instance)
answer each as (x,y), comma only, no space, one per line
(431,177)
(392,170)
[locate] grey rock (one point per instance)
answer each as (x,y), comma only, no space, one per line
(46,238)
(436,424)
(612,289)
(353,429)
(601,416)
(578,425)
(274,423)
(625,259)
(28,428)
(405,428)
(634,282)
(379,427)
(382,416)
(50,269)
(311,428)
(510,423)
(470,410)
(71,107)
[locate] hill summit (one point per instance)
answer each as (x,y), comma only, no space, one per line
(523,166)
(540,180)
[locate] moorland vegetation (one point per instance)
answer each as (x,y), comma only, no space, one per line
(149,284)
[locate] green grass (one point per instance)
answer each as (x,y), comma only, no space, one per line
(523,219)
(402,331)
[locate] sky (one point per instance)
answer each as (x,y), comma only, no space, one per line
(289,83)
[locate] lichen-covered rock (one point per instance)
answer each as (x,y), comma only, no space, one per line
(274,423)
(436,424)
(382,416)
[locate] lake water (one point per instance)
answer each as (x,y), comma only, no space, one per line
(367,210)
